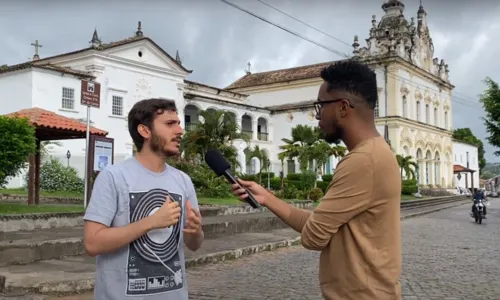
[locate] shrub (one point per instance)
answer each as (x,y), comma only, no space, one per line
(204,179)
(323,185)
(17,142)
(302,181)
(409,182)
(409,187)
(54,176)
(290,192)
(327,177)
(315,194)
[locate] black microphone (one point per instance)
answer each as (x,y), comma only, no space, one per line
(221,166)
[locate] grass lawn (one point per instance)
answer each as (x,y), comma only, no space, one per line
(22,208)
(22,192)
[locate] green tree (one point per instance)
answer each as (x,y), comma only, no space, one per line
(263,158)
(218,130)
(303,136)
(17,142)
(491,104)
(465,135)
(407,165)
(307,144)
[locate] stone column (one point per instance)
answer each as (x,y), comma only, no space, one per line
(421,171)
(270,132)
(241,157)
(430,163)
(254,129)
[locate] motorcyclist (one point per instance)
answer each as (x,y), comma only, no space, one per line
(478,195)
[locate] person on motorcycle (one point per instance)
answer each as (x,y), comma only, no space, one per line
(478,195)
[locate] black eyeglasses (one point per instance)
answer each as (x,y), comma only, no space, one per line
(318,105)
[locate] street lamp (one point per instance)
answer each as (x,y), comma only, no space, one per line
(68,156)
(269,175)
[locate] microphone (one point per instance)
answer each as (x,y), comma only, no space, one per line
(221,166)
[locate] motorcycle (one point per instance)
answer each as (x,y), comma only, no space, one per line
(478,213)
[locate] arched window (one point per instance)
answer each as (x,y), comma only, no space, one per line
(405,107)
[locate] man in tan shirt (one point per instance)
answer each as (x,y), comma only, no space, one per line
(356,225)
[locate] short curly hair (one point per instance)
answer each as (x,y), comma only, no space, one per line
(352,77)
(144,112)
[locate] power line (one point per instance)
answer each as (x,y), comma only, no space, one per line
(286,29)
(340,53)
(304,23)
(320,31)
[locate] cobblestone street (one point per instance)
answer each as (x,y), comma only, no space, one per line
(446,256)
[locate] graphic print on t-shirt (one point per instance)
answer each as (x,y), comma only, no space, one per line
(153,260)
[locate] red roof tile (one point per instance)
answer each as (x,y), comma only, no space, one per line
(284,75)
(42,118)
(459,169)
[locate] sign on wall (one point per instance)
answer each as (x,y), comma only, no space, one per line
(91,94)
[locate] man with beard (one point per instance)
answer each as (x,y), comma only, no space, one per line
(142,212)
(356,225)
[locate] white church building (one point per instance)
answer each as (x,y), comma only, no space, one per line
(136,68)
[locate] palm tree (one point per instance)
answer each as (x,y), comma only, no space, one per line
(321,152)
(218,130)
(407,165)
(302,137)
(263,158)
(44,151)
(307,145)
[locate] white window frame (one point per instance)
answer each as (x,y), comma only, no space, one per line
(117,110)
(68,98)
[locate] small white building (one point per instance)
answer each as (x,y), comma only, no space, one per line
(130,70)
(465,166)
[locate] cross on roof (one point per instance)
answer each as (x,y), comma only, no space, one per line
(36,45)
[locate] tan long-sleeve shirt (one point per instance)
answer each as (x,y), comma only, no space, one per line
(357,226)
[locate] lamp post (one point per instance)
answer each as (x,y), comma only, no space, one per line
(68,156)
(269,175)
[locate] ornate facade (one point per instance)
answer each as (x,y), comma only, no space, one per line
(416,92)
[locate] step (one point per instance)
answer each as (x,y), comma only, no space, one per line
(29,246)
(76,273)
(28,222)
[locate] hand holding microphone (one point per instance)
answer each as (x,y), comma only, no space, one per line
(242,189)
(221,166)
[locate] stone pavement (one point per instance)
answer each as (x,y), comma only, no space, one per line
(445,255)
(432,244)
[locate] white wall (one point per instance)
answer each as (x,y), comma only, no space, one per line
(460,151)
(15,90)
(282,96)
(293,93)
(123,79)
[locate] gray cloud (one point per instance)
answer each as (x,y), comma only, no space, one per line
(216,41)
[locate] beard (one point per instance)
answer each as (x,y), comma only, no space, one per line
(158,144)
(334,137)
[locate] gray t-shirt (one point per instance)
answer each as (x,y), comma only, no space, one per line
(152,267)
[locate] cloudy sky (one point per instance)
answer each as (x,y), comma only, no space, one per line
(216,40)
